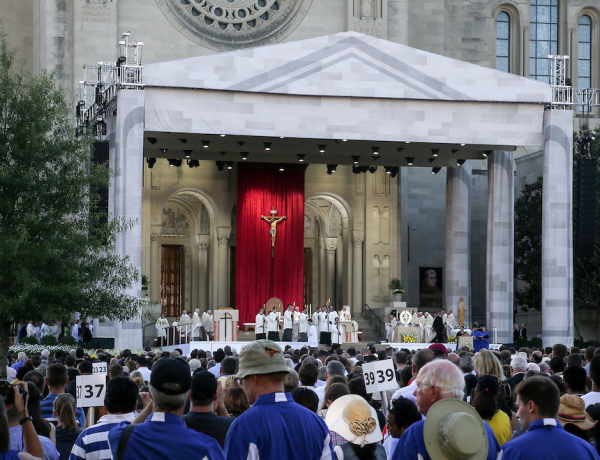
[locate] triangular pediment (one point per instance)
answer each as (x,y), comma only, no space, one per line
(347,64)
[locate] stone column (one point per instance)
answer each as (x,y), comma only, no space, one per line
(203,273)
(357,269)
(557,229)
(223,238)
(457,275)
(330,262)
(155,267)
(500,246)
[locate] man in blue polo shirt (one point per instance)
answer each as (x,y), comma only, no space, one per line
(538,401)
(56,380)
(163,434)
(275,427)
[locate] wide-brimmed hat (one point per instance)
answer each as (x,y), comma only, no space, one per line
(572,410)
(354,420)
(261,357)
(453,430)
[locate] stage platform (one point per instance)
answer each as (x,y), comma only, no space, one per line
(237,346)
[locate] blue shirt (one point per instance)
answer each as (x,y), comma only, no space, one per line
(276,427)
(548,439)
(164,436)
(92,443)
(484,340)
(412,444)
(16,366)
(10,455)
(48,411)
(476,342)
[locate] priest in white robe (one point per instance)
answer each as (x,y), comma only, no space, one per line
(196,324)
(428,328)
(303,327)
(273,325)
(259,325)
(161,329)
(288,324)
(316,319)
(313,340)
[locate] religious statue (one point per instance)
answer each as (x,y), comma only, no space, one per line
(273,220)
(462,312)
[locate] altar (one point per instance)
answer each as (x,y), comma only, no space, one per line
(400,331)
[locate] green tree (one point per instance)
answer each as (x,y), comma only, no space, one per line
(528,241)
(56,250)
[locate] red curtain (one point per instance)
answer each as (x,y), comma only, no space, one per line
(259,276)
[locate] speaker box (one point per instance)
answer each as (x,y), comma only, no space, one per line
(100,154)
(586,214)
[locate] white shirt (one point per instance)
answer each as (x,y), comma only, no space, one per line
(303,322)
(259,326)
(312,336)
(320,391)
(288,319)
(30,330)
(145,372)
(592,397)
(75,331)
(272,322)
(407,392)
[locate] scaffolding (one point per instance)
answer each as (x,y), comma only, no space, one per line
(101,83)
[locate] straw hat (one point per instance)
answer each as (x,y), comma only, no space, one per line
(572,410)
(354,419)
(453,430)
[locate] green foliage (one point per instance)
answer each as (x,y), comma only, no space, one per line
(581,344)
(30,340)
(67,340)
(528,245)
(56,253)
(49,340)
(396,285)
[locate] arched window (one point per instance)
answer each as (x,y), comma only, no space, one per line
(584,54)
(543,37)
(503,41)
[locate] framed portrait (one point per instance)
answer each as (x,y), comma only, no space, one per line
(431,289)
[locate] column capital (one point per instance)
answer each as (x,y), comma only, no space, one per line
(358,242)
(154,237)
(203,246)
(223,240)
(331,248)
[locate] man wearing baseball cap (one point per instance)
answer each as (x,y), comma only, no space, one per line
(154,438)
(275,427)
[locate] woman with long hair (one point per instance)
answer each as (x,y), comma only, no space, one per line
(236,401)
(42,427)
(67,431)
(486,405)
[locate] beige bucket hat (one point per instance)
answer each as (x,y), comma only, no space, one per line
(261,357)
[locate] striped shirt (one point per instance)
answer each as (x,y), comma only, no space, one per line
(48,411)
(92,443)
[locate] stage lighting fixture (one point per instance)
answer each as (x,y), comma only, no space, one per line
(399,149)
(164,150)
(375,150)
(364,168)
(244,155)
(375,157)
(462,145)
(175,162)
(223,135)
(267,146)
(281,167)
(459,163)
(395,171)
(454,150)
(355,159)
(435,170)
(152,140)
(301,157)
(372,169)
(188,153)
(220,165)
(388,169)
(356,169)
(183,141)
(435,152)
(407,142)
(331,169)
(223,153)
(410,161)
(193,163)
(322,148)
(151,162)
(230,165)
(486,153)
(431,160)
(205,144)
(240,143)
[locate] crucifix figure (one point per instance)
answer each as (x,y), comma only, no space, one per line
(273,220)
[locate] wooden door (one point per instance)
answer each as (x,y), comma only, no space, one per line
(170,280)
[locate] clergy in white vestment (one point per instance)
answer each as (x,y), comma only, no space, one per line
(296,327)
(354,333)
(259,325)
(273,325)
(75,330)
(428,328)
(333,316)
(390,328)
(313,339)
(323,323)
(30,329)
(288,324)
(185,324)
(316,318)
(303,327)
(415,318)
(420,324)
(196,324)
(337,331)
(54,330)
(161,329)
(345,313)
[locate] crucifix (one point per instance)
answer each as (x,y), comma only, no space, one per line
(273,220)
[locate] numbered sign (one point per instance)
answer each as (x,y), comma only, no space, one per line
(90,390)
(99,368)
(379,376)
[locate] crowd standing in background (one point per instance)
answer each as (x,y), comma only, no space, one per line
(266,402)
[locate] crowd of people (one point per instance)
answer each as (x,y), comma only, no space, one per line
(270,403)
(81,331)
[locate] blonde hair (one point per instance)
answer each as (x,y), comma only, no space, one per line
(65,408)
(486,363)
(231,382)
